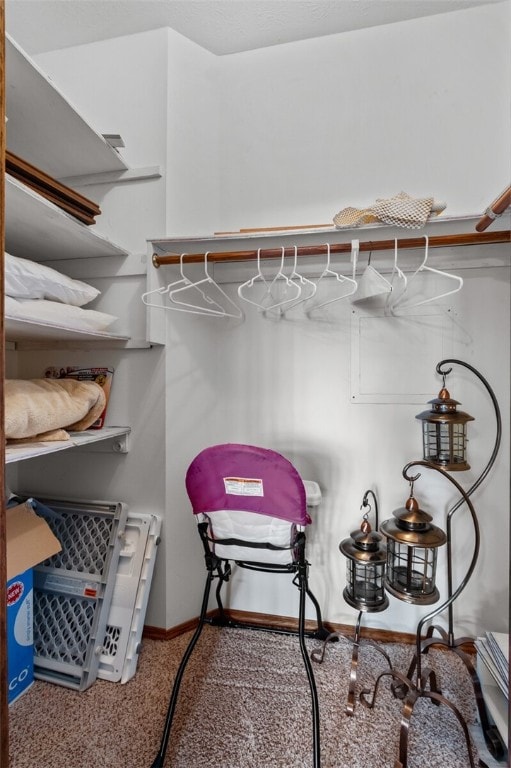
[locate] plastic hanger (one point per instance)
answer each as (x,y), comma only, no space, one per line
(164,291)
(401,275)
(307,287)
(175,296)
(184,282)
(424,268)
(268,296)
(327,272)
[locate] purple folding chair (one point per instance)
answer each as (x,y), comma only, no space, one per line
(251,509)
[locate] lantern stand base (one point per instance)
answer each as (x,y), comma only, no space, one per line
(414,692)
(491,734)
(318,655)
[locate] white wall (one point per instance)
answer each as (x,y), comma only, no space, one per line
(315,126)
(290,135)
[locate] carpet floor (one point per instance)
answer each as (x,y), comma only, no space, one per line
(244,703)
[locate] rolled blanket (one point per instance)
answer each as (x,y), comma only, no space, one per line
(37,406)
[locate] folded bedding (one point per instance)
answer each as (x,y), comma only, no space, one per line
(44,409)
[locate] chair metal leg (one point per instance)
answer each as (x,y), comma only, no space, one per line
(302,585)
(160,758)
(321,632)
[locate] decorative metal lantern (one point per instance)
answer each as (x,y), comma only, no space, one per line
(365,568)
(412,543)
(444,435)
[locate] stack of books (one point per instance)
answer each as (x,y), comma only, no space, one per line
(493,670)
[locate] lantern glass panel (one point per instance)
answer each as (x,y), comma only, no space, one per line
(411,570)
(365,584)
(444,442)
(369,583)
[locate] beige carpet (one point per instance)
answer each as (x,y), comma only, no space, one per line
(244,703)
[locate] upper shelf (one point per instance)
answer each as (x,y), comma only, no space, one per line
(445,234)
(45,129)
(37,229)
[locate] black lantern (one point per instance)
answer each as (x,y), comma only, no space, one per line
(412,543)
(365,568)
(444,432)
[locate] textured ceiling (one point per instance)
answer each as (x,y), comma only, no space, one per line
(220,26)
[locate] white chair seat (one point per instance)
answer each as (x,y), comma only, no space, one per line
(252,527)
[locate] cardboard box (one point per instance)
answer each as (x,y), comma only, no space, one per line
(29,541)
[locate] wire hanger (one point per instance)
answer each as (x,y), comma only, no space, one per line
(268,296)
(182,282)
(175,295)
(327,272)
(424,268)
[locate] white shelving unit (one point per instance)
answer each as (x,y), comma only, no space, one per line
(45,129)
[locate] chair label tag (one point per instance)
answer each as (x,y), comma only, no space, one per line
(243,486)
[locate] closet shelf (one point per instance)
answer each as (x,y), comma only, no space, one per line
(19,331)
(117,438)
(37,229)
(443,232)
(57,134)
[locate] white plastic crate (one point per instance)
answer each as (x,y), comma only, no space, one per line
(121,647)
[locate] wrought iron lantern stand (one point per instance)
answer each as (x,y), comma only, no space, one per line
(446,639)
(421,682)
(364,590)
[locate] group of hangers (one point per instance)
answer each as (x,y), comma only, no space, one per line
(280,292)
(186,295)
(400,295)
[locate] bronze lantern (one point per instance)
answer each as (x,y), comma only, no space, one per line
(444,433)
(412,544)
(365,568)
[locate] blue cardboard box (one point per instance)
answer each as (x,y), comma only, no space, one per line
(29,541)
(20,635)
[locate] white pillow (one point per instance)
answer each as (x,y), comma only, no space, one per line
(55,313)
(26,279)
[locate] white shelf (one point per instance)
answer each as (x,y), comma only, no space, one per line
(467,257)
(23,451)
(437,225)
(37,229)
(45,129)
(19,331)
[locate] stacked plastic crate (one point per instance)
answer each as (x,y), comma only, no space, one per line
(90,599)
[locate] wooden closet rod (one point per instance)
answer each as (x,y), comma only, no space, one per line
(438,241)
(495,210)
